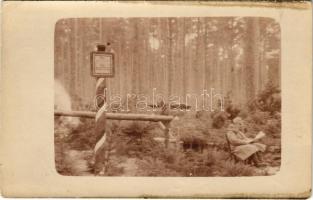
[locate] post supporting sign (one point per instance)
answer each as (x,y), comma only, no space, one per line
(102,66)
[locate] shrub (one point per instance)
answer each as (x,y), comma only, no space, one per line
(198,164)
(203,115)
(193,138)
(81,138)
(273,127)
(155,167)
(258,117)
(135,139)
(193,164)
(230,168)
(244,113)
(170,157)
(219,119)
(268,100)
(217,155)
(231,109)
(135,128)
(60,149)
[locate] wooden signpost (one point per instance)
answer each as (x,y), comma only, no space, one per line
(102,67)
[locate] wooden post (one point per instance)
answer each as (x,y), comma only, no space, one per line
(166,133)
(101,147)
(101,67)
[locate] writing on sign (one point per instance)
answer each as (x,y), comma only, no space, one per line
(102,64)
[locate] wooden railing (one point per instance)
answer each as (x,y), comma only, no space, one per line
(117,116)
(163,120)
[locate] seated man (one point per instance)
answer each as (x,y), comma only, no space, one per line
(242,147)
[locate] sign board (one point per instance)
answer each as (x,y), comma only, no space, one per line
(102,64)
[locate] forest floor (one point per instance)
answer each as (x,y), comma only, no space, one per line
(146,157)
(78,163)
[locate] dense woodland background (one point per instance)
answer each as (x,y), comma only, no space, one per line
(236,56)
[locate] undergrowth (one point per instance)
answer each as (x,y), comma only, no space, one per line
(201,129)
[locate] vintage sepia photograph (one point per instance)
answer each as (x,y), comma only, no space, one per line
(167,96)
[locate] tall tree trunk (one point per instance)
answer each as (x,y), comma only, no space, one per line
(251,56)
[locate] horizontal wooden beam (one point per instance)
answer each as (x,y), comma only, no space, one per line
(86,114)
(116,116)
(140,117)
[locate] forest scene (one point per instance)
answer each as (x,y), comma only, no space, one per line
(236,57)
